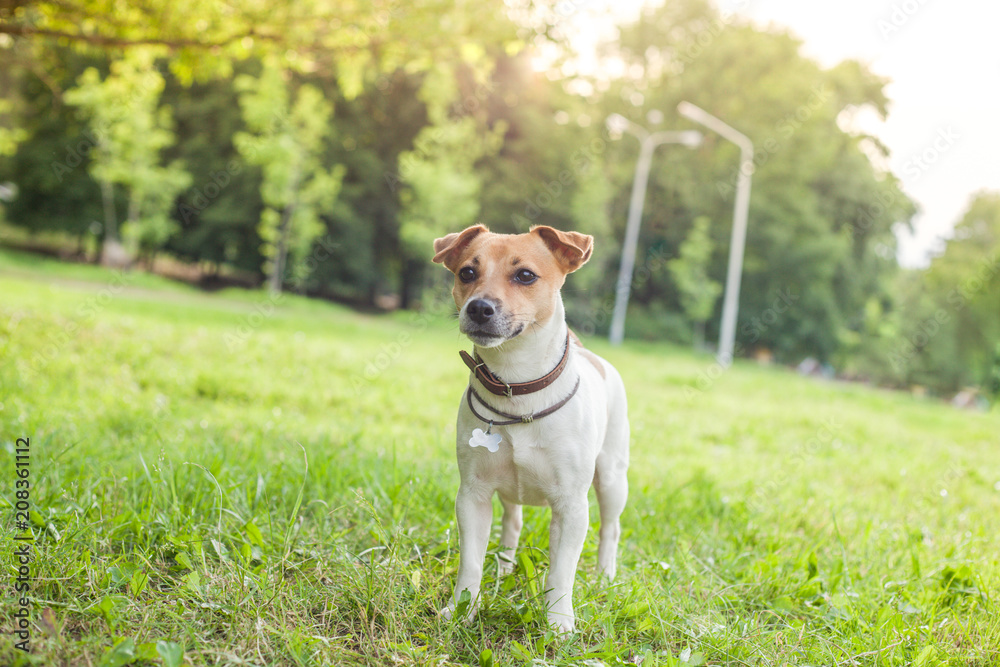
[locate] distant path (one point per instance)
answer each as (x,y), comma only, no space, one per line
(181,293)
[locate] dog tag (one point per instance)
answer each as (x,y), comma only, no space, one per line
(490,441)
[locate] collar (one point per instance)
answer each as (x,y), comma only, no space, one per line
(496,386)
(514,419)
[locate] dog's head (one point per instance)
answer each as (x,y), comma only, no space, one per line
(505,283)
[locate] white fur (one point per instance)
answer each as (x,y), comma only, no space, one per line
(552,461)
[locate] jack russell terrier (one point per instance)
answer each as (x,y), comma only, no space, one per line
(542,418)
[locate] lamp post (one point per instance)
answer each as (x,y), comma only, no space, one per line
(731,300)
(647,143)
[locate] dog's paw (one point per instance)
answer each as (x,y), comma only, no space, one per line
(465,610)
(561,617)
(562,624)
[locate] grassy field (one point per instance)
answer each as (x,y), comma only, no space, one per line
(228,479)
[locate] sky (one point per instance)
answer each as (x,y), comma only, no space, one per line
(943,60)
(943,128)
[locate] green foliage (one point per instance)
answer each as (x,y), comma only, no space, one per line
(189,527)
(328,143)
(821,216)
(9,136)
(55,192)
(220,212)
(130,131)
(698,293)
(443,187)
(285,139)
(948,321)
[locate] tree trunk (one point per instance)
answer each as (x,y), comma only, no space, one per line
(410,282)
(278,270)
(284,231)
(699,335)
(110,221)
(132,215)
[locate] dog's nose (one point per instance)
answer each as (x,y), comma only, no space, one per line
(480,310)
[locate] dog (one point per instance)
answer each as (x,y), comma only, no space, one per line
(542,419)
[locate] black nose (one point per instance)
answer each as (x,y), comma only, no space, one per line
(480,310)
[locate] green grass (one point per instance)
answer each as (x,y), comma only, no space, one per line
(260,483)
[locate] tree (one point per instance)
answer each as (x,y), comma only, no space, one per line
(129,132)
(219,214)
(364,55)
(285,139)
(9,138)
(698,293)
(54,190)
(821,214)
(351,39)
(442,184)
(965,283)
(940,328)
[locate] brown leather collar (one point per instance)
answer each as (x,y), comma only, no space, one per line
(496,386)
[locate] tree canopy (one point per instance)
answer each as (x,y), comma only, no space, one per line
(251,137)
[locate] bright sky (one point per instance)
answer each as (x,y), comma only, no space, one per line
(944,124)
(943,58)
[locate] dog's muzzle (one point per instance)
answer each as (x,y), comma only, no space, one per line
(486,323)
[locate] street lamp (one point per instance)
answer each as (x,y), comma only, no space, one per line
(648,141)
(731,301)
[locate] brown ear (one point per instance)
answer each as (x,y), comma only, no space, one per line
(571,249)
(449,248)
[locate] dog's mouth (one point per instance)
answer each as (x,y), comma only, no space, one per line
(488,338)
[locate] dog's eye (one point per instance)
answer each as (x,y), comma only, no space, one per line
(467,275)
(525,277)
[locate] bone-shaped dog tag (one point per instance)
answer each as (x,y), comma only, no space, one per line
(490,441)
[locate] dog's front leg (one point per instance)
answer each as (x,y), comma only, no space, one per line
(474,510)
(567,532)
(512,522)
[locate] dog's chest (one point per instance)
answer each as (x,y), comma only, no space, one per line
(527,468)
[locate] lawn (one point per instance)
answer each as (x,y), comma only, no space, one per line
(230,479)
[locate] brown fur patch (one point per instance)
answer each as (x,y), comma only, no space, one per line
(595,360)
(587,354)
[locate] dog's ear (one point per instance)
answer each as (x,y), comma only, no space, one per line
(448,249)
(571,249)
